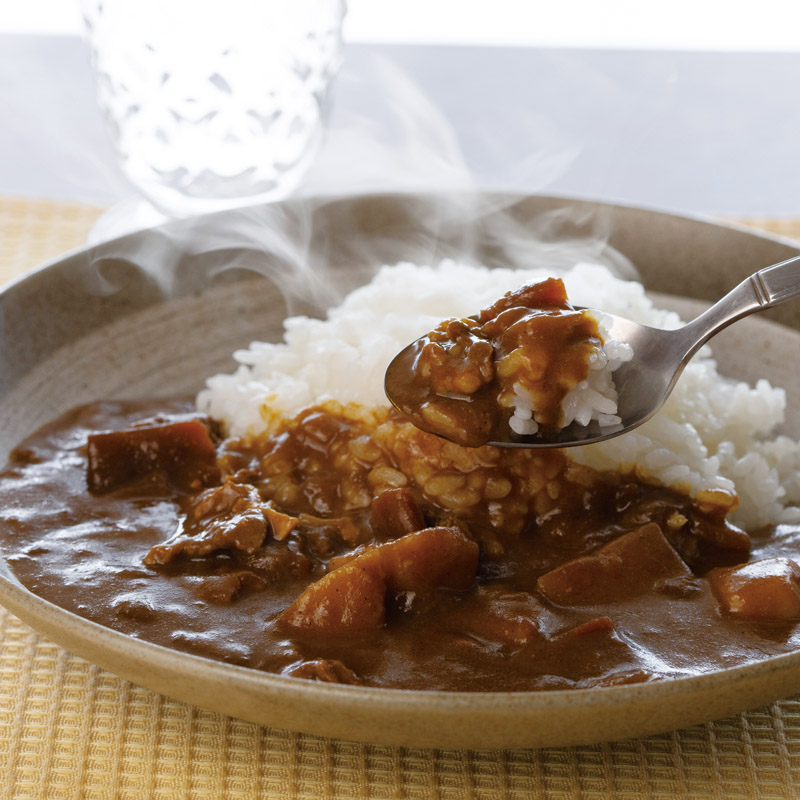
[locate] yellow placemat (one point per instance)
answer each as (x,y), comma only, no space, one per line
(70,730)
(34,231)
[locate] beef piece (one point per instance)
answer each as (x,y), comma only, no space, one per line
(708,542)
(395,512)
(228,517)
(225,588)
(352,598)
(549,293)
(320,542)
(344,527)
(274,563)
(698,530)
(178,449)
(464,423)
(767,590)
(626,567)
(321,538)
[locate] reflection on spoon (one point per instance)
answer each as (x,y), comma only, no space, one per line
(642,384)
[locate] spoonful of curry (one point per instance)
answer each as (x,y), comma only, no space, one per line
(532,370)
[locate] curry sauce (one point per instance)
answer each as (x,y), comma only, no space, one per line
(349,546)
(464,379)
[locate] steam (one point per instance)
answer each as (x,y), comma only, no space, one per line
(390,184)
(406,145)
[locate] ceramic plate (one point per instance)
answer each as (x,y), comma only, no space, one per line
(155,312)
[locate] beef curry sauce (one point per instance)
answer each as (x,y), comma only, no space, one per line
(462,380)
(349,546)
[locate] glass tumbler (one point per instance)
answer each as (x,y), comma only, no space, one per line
(214,104)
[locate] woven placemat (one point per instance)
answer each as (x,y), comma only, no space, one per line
(70,730)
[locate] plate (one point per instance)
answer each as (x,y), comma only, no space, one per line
(155,312)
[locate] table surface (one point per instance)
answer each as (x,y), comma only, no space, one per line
(711,133)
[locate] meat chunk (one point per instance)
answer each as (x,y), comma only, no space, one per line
(352,598)
(697,529)
(546,294)
(275,563)
(714,542)
(464,423)
(228,517)
(624,568)
(344,527)
(767,590)
(179,449)
(225,588)
(395,512)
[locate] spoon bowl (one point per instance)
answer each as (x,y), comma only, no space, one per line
(644,383)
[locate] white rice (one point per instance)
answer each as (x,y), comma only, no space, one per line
(592,399)
(712,433)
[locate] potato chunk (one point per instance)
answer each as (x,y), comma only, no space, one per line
(352,598)
(767,590)
(624,568)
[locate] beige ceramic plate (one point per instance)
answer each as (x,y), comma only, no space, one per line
(156,312)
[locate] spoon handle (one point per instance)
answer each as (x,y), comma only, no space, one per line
(780,282)
(766,288)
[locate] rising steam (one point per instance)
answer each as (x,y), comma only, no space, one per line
(406,147)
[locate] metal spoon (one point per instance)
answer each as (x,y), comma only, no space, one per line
(659,356)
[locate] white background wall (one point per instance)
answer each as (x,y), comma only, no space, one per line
(746,25)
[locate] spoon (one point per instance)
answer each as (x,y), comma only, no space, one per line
(659,357)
